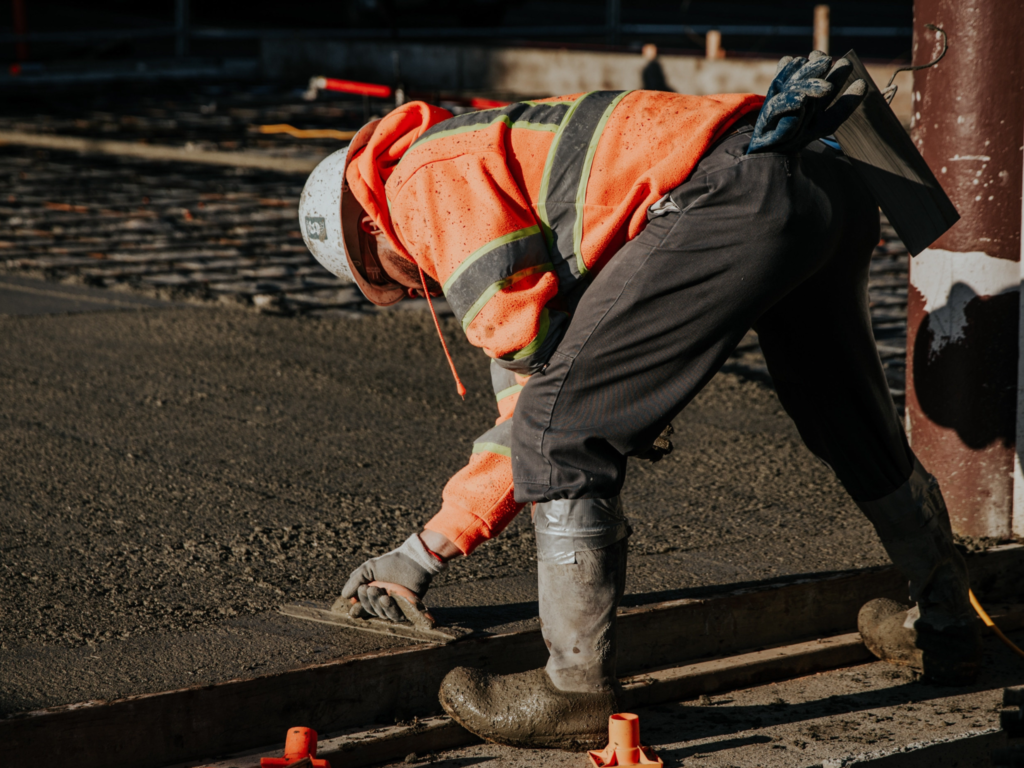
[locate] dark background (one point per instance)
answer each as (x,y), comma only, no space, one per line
(427,20)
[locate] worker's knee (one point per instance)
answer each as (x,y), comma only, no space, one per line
(560,447)
(567,526)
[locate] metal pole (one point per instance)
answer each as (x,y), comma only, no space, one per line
(20,24)
(963,304)
(181,27)
(822,16)
(1017,521)
(613,20)
(713,45)
(396,65)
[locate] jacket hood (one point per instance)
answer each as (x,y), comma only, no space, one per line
(369,171)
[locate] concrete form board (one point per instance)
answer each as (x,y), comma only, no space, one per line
(963,308)
(403,683)
(856,715)
(530,72)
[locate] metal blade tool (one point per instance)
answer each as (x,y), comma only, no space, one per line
(419,624)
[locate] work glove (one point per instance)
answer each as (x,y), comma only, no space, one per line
(797,108)
(411,566)
(660,448)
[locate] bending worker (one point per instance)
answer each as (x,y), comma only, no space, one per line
(608,251)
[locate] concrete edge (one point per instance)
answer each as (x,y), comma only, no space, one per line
(358,748)
(175,726)
(966,749)
(368,747)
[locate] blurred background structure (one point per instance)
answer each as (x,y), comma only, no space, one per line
(418,49)
(60,30)
(208,116)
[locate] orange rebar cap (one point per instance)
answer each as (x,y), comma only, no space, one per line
(624,744)
(299,744)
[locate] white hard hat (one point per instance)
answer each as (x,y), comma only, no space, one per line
(329,217)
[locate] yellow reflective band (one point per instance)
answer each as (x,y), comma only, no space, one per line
(545,180)
(524,124)
(511,237)
(542,333)
(550,127)
(581,191)
(495,287)
(501,450)
(508,392)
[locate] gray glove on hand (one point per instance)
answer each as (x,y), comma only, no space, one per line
(411,566)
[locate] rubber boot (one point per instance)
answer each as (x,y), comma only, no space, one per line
(566,704)
(939,637)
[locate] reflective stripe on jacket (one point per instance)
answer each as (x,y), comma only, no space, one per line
(509,210)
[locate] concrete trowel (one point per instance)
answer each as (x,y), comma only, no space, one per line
(419,624)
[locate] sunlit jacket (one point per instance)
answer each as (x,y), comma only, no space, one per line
(512,210)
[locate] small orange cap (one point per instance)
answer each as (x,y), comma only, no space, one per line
(299,744)
(624,746)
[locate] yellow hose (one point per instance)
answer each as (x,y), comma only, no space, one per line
(313,133)
(992,625)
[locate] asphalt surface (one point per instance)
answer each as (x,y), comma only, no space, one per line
(168,476)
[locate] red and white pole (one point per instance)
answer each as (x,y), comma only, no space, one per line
(1017,522)
(963,309)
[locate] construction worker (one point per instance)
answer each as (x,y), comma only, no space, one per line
(608,251)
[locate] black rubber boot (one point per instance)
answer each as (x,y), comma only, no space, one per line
(939,636)
(566,705)
(526,710)
(894,633)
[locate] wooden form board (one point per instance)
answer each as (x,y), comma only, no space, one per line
(165,728)
(434,734)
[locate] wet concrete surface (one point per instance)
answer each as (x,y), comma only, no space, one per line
(25,296)
(871,715)
(168,477)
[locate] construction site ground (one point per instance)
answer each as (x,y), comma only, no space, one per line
(173,474)
(866,715)
(199,424)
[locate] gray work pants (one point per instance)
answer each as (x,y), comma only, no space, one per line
(780,243)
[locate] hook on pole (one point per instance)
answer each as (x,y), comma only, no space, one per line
(890,89)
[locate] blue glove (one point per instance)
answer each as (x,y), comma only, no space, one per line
(796,109)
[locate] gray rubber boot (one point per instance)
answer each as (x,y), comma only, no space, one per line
(577,615)
(565,705)
(939,636)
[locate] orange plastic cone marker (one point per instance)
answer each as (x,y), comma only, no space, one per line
(624,744)
(299,744)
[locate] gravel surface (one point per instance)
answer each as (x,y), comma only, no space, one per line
(169,476)
(229,235)
(168,472)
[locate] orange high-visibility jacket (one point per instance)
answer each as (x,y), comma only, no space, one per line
(509,209)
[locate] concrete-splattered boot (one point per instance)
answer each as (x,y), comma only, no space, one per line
(566,704)
(938,637)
